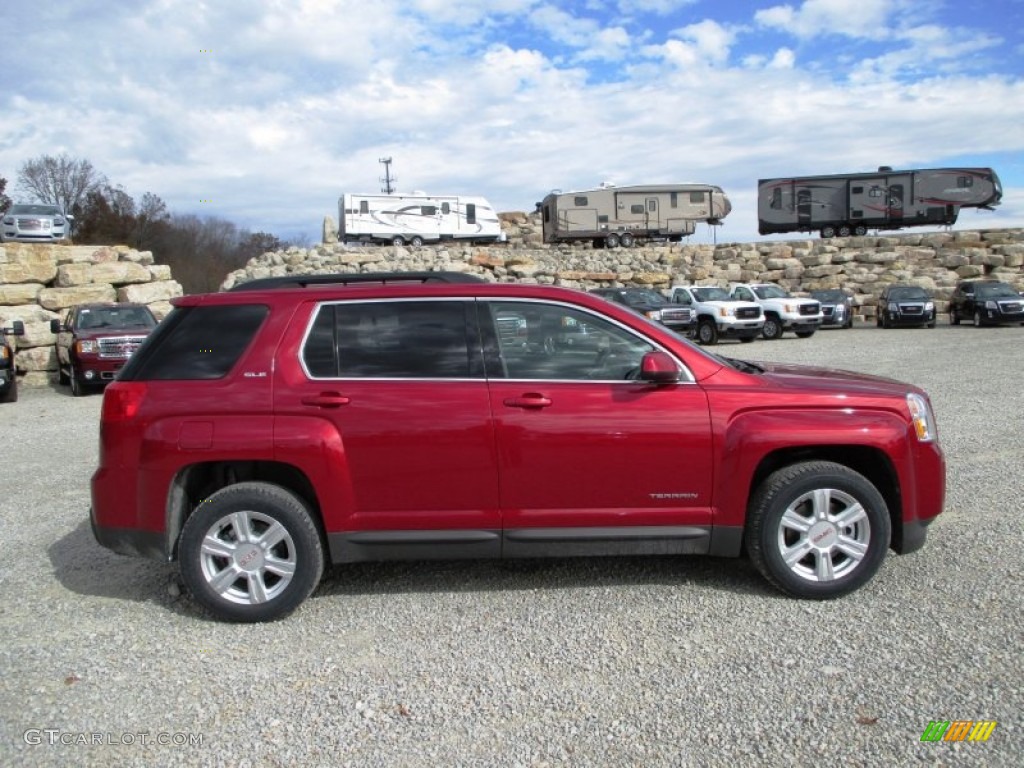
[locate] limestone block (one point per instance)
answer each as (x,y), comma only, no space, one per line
(19,293)
(56,299)
(36,359)
(147,293)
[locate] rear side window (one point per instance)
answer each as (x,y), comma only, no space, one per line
(196,343)
(394,339)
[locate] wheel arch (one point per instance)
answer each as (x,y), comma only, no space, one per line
(198,481)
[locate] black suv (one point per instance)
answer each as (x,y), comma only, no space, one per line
(651,304)
(836,307)
(905,305)
(986,302)
(8,379)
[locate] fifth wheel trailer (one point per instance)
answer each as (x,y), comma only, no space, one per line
(416,219)
(611,216)
(852,203)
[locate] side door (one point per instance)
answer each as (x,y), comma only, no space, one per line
(395,393)
(591,460)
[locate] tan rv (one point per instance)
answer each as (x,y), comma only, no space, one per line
(611,216)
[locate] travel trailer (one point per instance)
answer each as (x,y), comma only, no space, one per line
(853,203)
(416,219)
(611,216)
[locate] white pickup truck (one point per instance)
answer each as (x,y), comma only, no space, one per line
(718,314)
(782,312)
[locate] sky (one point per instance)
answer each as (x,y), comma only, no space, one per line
(264,112)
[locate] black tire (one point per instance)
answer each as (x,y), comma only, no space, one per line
(259,508)
(804,334)
(62,378)
(978,322)
(885,321)
(747,339)
(611,241)
(954,318)
(828,232)
(11,395)
(398,240)
(931,324)
(860,230)
(843,231)
(772,328)
(416,241)
(707,333)
(825,570)
(626,240)
(77,387)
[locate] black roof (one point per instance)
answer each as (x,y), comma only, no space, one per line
(306,281)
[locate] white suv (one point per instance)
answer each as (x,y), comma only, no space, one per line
(719,315)
(782,312)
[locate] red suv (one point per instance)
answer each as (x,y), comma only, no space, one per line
(261,433)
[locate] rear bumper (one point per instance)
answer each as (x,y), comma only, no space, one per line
(129,541)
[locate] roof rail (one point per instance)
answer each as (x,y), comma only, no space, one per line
(306,281)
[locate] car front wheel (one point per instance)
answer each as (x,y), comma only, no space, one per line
(817,529)
(707,333)
(977,319)
(251,552)
(772,328)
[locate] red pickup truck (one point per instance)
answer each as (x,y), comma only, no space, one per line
(95,340)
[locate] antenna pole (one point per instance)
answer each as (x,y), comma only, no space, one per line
(388,180)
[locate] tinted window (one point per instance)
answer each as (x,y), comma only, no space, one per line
(116,317)
(636,209)
(579,200)
(471,213)
(196,343)
(429,210)
(399,339)
(697,197)
(549,341)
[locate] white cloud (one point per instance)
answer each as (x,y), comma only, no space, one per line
(853,18)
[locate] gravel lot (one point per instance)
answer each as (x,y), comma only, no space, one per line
(589,662)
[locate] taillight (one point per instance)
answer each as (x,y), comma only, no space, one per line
(122,400)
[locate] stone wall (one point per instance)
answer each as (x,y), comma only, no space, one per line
(40,282)
(861,265)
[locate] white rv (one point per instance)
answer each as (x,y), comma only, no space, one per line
(416,219)
(611,216)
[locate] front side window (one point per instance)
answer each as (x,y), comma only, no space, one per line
(555,342)
(392,339)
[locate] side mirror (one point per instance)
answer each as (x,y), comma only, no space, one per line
(658,368)
(55,326)
(18,328)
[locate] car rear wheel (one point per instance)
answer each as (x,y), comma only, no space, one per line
(416,241)
(772,328)
(251,552)
(707,333)
(397,240)
(626,240)
(611,241)
(844,231)
(817,529)
(860,230)
(977,319)
(827,232)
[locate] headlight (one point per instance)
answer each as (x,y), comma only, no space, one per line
(922,417)
(654,314)
(87,347)
(789,309)
(4,354)
(991,305)
(929,306)
(8,219)
(893,307)
(727,311)
(840,310)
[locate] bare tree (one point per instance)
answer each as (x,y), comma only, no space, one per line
(62,181)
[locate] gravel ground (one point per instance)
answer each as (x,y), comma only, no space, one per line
(589,662)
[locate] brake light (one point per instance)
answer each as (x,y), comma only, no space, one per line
(122,400)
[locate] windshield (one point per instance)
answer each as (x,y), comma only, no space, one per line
(996,291)
(638,297)
(770,292)
(835,295)
(115,317)
(904,294)
(34,210)
(711,294)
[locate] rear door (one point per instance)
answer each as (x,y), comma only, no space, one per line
(410,444)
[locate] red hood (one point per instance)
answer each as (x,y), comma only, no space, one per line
(833,380)
(103,333)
